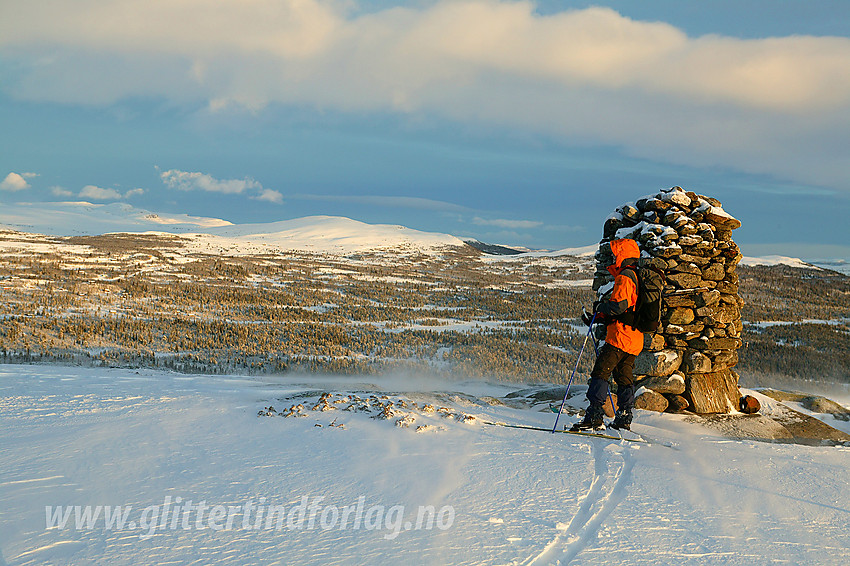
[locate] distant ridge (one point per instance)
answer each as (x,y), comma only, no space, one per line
(493,249)
(770,260)
(319,234)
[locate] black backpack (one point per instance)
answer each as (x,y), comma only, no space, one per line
(648,275)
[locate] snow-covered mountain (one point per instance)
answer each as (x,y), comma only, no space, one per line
(315,234)
(331,234)
(775,260)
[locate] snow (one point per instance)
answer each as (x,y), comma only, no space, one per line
(86,218)
(109,437)
(841,265)
(583,251)
(718,211)
(768,323)
(677,197)
(314,234)
(770,260)
(569,283)
(330,234)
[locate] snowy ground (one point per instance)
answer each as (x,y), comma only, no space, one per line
(84,437)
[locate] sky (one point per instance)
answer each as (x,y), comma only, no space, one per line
(518,123)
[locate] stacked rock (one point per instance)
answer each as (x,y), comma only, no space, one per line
(688,363)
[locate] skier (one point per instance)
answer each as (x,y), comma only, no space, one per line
(623,342)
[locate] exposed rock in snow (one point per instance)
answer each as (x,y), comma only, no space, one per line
(649,400)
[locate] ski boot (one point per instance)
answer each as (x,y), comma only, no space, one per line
(622,420)
(592,420)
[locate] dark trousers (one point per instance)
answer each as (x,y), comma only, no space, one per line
(622,365)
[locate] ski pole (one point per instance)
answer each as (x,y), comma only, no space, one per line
(575,369)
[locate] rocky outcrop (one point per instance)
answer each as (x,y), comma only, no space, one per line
(814,403)
(701,309)
(782,424)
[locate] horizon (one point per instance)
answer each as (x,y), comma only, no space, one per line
(323,234)
(486,120)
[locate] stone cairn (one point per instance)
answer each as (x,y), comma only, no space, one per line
(687,364)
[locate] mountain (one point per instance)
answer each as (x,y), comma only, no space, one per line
(331,234)
(770,260)
(317,234)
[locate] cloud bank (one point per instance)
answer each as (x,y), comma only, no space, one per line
(505,223)
(776,105)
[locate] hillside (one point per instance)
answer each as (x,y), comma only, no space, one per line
(326,294)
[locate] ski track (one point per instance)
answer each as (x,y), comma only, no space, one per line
(595,507)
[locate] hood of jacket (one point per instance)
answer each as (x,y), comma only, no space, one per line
(623,250)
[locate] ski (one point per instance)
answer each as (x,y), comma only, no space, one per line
(599,434)
(637,439)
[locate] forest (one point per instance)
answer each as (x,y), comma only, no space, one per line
(129,300)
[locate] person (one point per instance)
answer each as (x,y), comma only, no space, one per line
(623,343)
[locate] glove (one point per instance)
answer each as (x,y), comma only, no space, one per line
(587,317)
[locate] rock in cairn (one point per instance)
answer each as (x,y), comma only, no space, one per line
(688,362)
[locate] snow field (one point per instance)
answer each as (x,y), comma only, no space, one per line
(89,437)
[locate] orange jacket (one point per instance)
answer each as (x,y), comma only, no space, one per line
(623,297)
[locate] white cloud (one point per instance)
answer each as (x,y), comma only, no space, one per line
(15,182)
(98,193)
(284,28)
(270,196)
(504,223)
(194,181)
(61,191)
(400,53)
(778,105)
(134,192)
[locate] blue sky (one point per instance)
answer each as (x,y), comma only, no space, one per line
(512,122)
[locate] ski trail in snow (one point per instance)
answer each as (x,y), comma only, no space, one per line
(596,506)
